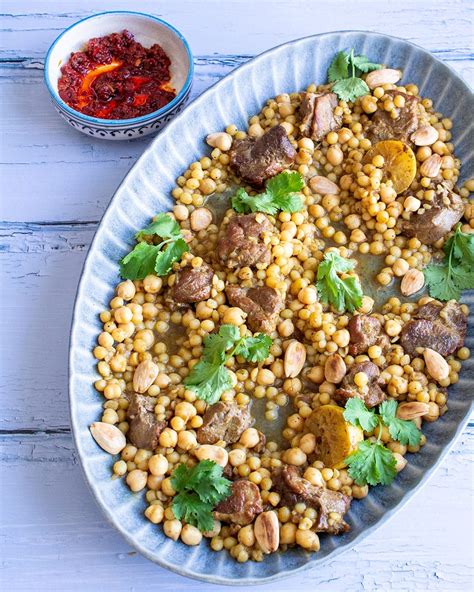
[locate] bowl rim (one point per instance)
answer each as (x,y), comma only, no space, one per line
(108,513)
(119,122)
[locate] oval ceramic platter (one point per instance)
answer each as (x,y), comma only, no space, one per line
(146,191)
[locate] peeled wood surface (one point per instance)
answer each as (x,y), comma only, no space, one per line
(56,184)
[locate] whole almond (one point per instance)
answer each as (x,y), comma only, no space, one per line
(334,369)
(323,185)
(383,76)
(431,166)
(295,357)
(267,531)
(436,365)
(144,376)
(412,409)
(426,135)
(200,219)
(412,282)
(216,453)
(108,437)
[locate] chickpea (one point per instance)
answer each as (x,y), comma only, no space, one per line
(314,476)
(136,480)
(158,465)
(126,290)
(335,155)
(237,457)
(168,438)
(172,529)
(307,539)
(246,536)
(249,438)
(288,533)
(155,513)
(152,284)
(186,440)
(295,456)
(308,443)
(190,535)
(120,468)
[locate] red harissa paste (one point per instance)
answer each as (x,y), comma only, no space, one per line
(115,77)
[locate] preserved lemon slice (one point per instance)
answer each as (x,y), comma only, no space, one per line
(335,437)
(399,162)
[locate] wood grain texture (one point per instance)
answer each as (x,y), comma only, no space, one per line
(56,184)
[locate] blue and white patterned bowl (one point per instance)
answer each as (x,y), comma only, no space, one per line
(147,30)
(146,191)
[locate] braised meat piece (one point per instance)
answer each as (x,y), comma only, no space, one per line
(429,224)
(317,115)
(371,394)
(293,488)
(383,127)
(441,327)
(243,504)
(224,421)
(256,160)
(242,244)
(192,284)
(262,305)
(144,429)
(366,331)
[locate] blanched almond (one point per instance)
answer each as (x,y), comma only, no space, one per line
(323,185)
(200,219)
(412,409)
(220,140)
(295,357)
(108,437)
(436,365)
(144,376)
(412,282)
(383,76)
(267,531)
(431,166)
(334,369)
(216,453)
(426,135)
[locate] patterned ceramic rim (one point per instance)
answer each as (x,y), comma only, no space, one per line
(393,497)
(120,122)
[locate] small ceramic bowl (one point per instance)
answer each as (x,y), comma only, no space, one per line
(147,30)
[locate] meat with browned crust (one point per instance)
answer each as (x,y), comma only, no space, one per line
(243,504)
(241,244)
(366,331)
(373,394)
(317,115)
(144,429)
(224,421)
(383,127)
(262,305)
(192,284)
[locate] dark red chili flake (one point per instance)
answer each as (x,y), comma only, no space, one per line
(115,77)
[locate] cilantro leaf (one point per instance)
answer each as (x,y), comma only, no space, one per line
(350,89)
(280,194)
(339,67)
(140,262)
(255,349)
(216,344)
(362,63)
(357,414)
(173,252)
(188,507)
(164,226)
(209,380)
(405,431)
(371,463)
(343,294)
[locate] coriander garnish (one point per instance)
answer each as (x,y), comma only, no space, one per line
(281,193)
(350,87)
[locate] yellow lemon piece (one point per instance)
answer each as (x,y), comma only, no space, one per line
(335,437)
(399,162)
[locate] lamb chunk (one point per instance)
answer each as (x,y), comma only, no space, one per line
(242,244)
(372,395)
(317,115)
(262,305)
(441,327)
(193,284)
(243,504)
(144,429)
(447,208)
(294,489)
(256,160)
(366,331)
(383,127)
(224,421)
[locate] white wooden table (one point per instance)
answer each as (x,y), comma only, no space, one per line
(56,184)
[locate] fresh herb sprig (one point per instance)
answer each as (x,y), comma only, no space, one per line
(149,258)
(281,193)
(348,86)
(456,272)
(209,378)
(198,491)
(343,293)
(372,462)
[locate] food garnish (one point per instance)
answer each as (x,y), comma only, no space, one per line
(348,85)
(456,271)
(399,163)
(343,292)
(147,258)
(198,491)
(281,194)
(209,378)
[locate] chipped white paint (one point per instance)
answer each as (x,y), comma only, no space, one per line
(56,184)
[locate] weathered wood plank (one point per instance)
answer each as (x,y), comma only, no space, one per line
(55,536)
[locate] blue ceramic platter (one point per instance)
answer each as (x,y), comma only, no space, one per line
(146,191)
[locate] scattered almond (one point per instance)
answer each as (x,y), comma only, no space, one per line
(144,376)
(334,369)
(216,453)
(412,282)
(426,135)
(412,410)
(295,357)
(436,365)
(200,219)
(431,166)
(108,437)
(220,140)
(383,76)
(323,185)
(267,531)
